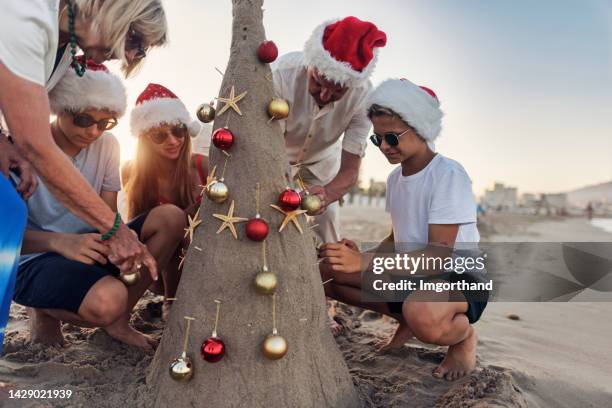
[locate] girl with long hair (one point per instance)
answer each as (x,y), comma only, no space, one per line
(165,170)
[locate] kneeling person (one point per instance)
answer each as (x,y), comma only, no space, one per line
(431,203)
(64,273)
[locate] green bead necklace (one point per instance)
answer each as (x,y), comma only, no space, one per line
(79,68)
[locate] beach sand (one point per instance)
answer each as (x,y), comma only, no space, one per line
(555,354)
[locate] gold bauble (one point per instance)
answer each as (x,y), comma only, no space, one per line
(130,278)
(206,113)
(278,108)
(274,347)
(266,282)
(217,191)
(181,368)
(311,203)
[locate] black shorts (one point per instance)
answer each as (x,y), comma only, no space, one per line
(51,281)
(476,302)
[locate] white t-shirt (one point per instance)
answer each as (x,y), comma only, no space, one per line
(29,33)
(28,38)
(441,193)
(99,164)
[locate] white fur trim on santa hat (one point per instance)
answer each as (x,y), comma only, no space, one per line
(155,112)
(413,104)
(336,71)
(96,89)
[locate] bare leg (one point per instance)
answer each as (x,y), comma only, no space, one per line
(444,324)
(45,328)
(402,335)
(460,359)
(103,306)
(162,232)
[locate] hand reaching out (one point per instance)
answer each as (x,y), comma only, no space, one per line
(10,159)
(341,257)
(86,248)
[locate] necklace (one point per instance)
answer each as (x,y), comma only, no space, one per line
(79,68)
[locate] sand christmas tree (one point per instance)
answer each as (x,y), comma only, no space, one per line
(248,327)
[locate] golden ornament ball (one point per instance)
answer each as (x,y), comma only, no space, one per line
(217,191)
(266,282)
(181,368)
(130,278)
(206,113)
(278,108)
(311,203)
(274,347)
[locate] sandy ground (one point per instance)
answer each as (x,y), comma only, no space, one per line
(555,354)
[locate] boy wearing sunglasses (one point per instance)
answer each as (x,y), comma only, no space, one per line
(64,273)
(432,206)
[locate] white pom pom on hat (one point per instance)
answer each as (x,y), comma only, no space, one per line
(417,105)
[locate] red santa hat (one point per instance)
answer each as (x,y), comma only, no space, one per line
(97,89)
(157,105)
(416,105)
(345,51)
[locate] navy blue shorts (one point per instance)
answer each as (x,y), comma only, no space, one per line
(476,302)
(51,281)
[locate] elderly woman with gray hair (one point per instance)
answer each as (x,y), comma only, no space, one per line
(39,40)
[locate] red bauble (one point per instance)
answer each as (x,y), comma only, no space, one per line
(267,51)
(223,138)
(213,349)
(256,229)
(289,200)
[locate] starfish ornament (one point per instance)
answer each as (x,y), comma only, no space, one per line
(231,102)
(290,216)
(209,180)
(182,257)
(193,224)
(229,220)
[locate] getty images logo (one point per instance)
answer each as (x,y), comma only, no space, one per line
(590,263)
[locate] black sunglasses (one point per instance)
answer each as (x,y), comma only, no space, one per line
(391,138)
(178,131)
(84,121)
(134,41)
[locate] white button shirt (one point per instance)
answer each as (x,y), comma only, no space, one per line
(313,135)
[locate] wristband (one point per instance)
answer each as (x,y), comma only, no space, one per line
(113,230)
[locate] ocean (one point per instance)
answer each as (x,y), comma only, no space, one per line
(603,223)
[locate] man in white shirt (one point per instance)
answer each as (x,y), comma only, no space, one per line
(326,87)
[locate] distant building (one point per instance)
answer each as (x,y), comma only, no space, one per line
(529,200)
(377,188)
(554,203)
(500,198)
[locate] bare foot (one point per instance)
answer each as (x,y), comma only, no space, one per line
(122,331)
(335,327)
(45,329)
(460,359)
(402,335)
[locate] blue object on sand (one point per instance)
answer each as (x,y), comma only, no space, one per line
(13,216)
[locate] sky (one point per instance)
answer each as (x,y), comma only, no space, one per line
(526,86)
